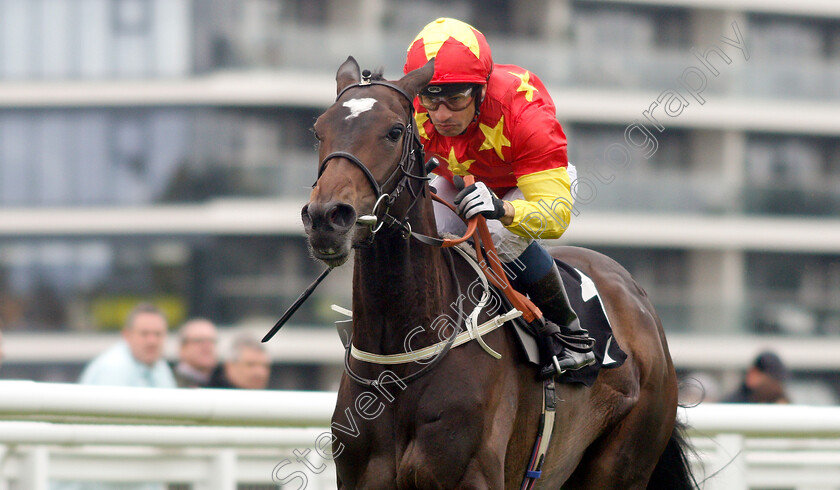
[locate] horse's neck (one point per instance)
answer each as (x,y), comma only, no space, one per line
(398,285)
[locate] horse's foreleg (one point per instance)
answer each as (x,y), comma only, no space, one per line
(480,477)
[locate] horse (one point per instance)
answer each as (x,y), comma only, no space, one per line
(466,419)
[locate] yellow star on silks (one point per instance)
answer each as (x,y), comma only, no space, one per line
(494,138)
(434,37)
(525,86)
(456,167)
(421,118)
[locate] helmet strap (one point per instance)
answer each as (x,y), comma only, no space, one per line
(478,102)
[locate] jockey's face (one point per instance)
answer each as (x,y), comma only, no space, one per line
(452,123)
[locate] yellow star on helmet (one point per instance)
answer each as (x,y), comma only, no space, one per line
(436,33)
(525,86)
(494,138)
(456,167)
(421,118)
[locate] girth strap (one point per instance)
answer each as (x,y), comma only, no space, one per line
(546,427)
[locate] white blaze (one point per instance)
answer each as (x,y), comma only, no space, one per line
(358,106)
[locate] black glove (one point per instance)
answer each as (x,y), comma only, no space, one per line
(478,199)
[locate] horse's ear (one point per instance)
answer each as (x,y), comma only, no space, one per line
(415,80)
(348,73)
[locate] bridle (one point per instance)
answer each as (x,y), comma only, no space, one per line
(411,156)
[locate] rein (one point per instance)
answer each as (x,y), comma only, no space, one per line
(492,267)
(412,154)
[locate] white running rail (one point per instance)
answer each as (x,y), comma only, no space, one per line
(744,447)
(211,439)
(216,439)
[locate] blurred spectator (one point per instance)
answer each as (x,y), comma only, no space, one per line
(135,361)
(138,359)
(246,367)
(764,382)
(1,347)
(197,353)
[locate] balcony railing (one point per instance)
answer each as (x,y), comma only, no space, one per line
(557,63)
(585,61)
(684,192)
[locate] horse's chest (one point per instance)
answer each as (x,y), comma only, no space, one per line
(408,442)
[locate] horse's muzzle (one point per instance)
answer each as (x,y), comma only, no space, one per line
(330,229)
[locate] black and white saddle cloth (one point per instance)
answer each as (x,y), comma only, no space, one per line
(585,301)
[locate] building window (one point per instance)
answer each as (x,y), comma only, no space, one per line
(787,174)
(793,293)
(129,142)
(131,17)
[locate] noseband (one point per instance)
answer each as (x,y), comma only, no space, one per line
(412,154)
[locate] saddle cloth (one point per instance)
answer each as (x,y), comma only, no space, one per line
(586,302)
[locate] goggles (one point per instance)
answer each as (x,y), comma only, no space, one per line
(457,101)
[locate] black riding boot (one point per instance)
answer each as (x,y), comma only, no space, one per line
(564,344)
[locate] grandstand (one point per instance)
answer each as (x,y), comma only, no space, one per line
(160,149)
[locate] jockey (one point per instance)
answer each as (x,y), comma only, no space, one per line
(498,123)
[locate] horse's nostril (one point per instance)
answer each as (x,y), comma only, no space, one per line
(337,217)
(342,216)
(304,216)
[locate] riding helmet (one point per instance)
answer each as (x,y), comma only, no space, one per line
(461,53)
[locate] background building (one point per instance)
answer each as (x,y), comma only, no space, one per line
(160,149)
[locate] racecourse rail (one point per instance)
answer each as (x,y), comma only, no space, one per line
(216,439)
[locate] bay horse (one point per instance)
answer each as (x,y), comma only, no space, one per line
(465,420)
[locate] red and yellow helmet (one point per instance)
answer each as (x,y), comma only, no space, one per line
(461,52)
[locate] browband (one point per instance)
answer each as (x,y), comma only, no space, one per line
(367,82)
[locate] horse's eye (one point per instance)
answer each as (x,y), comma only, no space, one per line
(395,133)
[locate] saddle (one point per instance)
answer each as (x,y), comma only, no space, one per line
(586,302)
